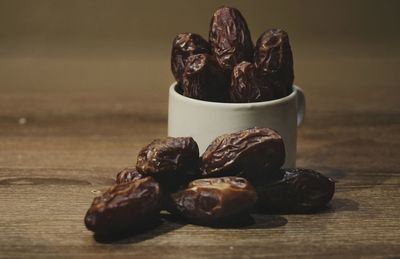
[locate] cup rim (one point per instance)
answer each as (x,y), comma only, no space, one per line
(183,98)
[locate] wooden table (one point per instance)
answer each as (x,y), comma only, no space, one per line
(68,124)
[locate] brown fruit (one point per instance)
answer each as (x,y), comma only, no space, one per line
(230,38)
(128,175)
(214,200)
(185,45)
(247,153)
(274,61)
(171,161)
(204,79)
(299,191)
(125,207)
(247,86)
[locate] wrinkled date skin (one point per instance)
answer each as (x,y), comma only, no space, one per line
(274,60)
(246,153)
(128,175)
(204,79)
(125,207)
(247,86)
(299,191)
(171,161)
(230,38)
(183,46)
(211,201)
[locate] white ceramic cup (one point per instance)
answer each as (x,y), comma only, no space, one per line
(204,121)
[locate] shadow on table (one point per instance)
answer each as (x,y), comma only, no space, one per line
(337,205)
(254,221)
(170,222)
(265,221)
(156,228)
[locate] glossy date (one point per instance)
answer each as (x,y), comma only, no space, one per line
(128,175)
(183,46)
(204,79)
(214,200)
(247,153)
(171,161)
(230,38)
(273,59)
(125,207)
(247,86)
(299,191)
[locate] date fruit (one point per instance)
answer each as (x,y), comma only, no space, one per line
(204,79)
(247,153)
(183,46)
(125,207)
(128,175)
(230,38)
(214,200)
(247,86)
(171,161)
(274,61)
(299,191)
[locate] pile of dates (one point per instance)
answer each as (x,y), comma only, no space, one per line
(228,67)
(238,173)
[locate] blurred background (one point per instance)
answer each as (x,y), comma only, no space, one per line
(118,51)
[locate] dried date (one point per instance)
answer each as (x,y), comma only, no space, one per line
(215,200)
(172,161)
(204,79)
(127,175)
(125,207)
(273,59)
(248,153)
(299,191)
(230,38)
(247,86)
(183,46)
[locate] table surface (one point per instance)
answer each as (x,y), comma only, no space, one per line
(68,124)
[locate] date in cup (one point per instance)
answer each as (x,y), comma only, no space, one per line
(204,121)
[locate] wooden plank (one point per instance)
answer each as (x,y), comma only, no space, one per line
(49,177)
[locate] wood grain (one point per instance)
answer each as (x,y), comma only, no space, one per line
(61,145)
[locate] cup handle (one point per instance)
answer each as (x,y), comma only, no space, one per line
(300,106)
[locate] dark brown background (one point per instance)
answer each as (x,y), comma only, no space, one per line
(83,86)
(73,47)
